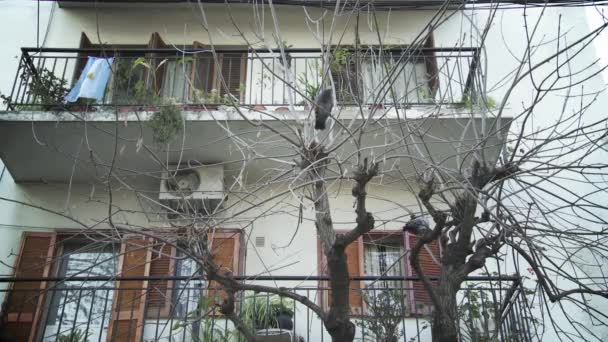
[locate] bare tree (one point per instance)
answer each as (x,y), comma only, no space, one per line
(501,187)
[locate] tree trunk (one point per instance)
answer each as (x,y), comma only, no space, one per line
(338,322)
(444,319)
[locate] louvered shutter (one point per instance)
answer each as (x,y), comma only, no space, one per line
(430,62)
(233,69)
(203,72)
(420,300)
(159,296)
(129,298)
(23,304)
(225,252)
(155,76)
(354,256)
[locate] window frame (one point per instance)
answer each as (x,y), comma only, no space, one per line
(59,267)
(398,235)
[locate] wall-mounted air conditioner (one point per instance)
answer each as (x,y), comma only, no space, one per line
(191,190)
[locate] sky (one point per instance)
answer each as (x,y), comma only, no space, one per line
(595,16)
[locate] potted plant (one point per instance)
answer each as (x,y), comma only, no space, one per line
(200,326)
(73,336)
(311,89)
(265,311)
(288,58)
(46,90)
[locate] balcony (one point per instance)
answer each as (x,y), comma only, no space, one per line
(427,83)
(142,79)
(179,309)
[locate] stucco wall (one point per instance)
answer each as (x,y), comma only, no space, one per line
(504,46)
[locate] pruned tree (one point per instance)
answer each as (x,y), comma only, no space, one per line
(504,186)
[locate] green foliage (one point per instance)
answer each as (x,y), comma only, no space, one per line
(479,313)
(467,102)
(340,57)
(386,310)
(310,89)
(260,311)
(46,89)
(76,335)
(129,86)
(210,330)
(166,123)
(213,97)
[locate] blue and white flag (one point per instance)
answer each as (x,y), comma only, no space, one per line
(93,80)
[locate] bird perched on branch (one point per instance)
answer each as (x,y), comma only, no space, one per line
(416,225)
(324,102)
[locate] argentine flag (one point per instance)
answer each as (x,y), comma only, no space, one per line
(93,80)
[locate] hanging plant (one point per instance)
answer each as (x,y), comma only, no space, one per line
(166,123)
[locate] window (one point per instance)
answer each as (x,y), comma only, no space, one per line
(225,250)
(408,74)
(106,310)
(147,77)
(384,256)
(386,253)
(188,292)
(75,305)
(395,75)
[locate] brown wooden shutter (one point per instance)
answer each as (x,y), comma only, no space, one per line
(224,249)
(159,296)
(203,72)
(354,256)
(23,304)
(430,61)
(155,76)
(127,319)
(233,69)
(420,300)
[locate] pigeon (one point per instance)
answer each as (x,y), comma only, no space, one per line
(323,105)
(416,225)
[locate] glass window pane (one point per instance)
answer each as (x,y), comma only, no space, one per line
(188,292)
(82,305)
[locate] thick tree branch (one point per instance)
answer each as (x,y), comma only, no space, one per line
(365,220)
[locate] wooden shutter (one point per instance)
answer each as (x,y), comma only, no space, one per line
(203,71)
(233,69)
(155,76)
(23,304)
(224,249)
(127,319)
(158,298)
(430,61)
(354,256)
(420,300)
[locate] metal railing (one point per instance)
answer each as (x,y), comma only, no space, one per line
(198,79)
(131,309)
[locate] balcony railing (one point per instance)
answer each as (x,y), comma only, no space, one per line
(385,309)
(199,79)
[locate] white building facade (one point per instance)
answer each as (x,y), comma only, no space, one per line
(58,166)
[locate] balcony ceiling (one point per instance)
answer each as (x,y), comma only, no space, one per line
(52,150)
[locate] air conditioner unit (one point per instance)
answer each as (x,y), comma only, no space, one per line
(197,189)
